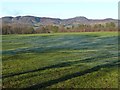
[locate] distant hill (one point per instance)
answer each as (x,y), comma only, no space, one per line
(32,20)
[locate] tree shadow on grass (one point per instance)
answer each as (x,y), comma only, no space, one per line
(60,65)
(74,44)
(77,74)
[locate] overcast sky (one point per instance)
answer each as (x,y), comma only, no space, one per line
(93,9)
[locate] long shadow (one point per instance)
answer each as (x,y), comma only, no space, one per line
(59,65)
(77,74)
(75,43)
(39,69)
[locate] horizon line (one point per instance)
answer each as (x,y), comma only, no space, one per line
(54,17)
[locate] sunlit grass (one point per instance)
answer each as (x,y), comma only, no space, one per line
(61,60)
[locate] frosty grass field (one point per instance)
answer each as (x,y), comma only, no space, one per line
(60,60)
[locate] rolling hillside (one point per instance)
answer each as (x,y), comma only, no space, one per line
(32,20)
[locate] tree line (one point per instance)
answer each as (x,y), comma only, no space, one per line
(18,28)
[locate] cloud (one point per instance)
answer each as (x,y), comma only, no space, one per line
(7,11)
(59,1)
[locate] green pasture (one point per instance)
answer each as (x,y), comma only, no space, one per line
(60,60)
